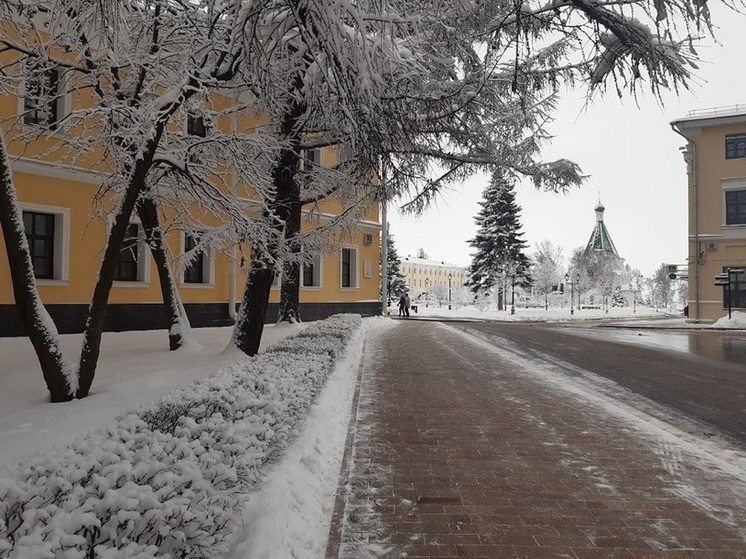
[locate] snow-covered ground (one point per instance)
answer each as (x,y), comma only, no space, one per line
(137,368)
(642,316)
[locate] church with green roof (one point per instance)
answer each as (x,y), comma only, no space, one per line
(600,240)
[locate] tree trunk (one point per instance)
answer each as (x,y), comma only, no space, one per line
(91,349)
(247,334)
(178,320)
(290,293)
(250,324)
(291,271)
(41,330)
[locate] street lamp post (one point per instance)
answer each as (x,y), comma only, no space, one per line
(427,291)
(512,294)
(567,280)
(450,275)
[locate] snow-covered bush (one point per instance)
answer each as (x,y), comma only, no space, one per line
(166,479)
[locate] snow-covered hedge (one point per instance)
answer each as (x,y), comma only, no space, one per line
(165,480)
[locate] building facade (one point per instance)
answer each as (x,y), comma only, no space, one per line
(67,236)
(715,155)
(432,280)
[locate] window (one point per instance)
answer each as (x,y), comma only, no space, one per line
(735,207)
(737,289)
(312,273)
(48,234)
(40,229)
(41,99)
(196,126)
(349,267)
(309,158)
(127,265)
(735,146)
(194,271)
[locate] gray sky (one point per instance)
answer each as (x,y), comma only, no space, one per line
(633,159)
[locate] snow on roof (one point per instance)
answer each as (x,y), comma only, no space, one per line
(713,113)
(433,263)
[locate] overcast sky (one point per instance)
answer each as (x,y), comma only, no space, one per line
(632,157)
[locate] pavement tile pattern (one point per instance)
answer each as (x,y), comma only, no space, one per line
(455,451)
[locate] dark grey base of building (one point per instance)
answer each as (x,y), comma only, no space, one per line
(70,319)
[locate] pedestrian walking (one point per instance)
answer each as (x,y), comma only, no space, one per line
(402,303)
(407,303)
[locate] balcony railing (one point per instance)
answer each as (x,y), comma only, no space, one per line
(728,110)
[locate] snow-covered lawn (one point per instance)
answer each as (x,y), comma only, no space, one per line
(135,368)
(640,315)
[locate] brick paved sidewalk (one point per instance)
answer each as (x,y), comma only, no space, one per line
(456,452)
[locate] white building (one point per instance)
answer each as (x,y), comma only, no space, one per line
(432,279)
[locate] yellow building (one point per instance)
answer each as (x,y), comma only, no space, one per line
(67,240)
(716,165)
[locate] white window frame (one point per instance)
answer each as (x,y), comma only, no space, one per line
(61,265)
(316,155)
(318,273)
(64,102)
(354,268)
(143,258)
(734,137)
(208,265)
(730,186)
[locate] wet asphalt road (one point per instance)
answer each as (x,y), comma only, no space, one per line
(696,379)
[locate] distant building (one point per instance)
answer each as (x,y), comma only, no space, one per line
(715,155)
(600,240)
(426,278)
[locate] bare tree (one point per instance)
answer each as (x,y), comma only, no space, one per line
(547,268)
(141,64)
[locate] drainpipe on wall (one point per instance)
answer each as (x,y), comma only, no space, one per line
(232,266)
(690,157)
(232,287)
(384,244)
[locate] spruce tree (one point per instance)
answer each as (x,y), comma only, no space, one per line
(500,259)
(395,283)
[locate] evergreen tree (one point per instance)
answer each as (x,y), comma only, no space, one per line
(500,259)
(395,283)
(662,288)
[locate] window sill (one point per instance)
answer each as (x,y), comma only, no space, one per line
(59,131)
(189,285)
(52,282)
(138,283)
